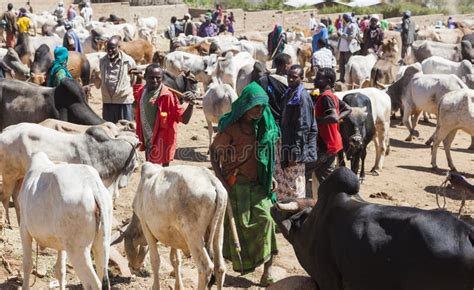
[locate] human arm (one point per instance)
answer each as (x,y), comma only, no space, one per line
(187,113)
(330,113)
(215,155)
(344,110)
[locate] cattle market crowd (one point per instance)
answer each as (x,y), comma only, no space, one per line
(292,106)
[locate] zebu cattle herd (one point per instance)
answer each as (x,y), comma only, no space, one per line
(63,165)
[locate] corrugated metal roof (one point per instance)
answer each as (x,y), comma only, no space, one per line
(364,3)
(301,3)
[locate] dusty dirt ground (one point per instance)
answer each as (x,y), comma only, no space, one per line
(406,180)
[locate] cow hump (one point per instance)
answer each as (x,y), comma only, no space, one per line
(341,180)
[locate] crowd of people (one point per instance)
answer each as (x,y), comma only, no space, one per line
(214,23)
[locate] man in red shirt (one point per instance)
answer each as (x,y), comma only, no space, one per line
(329,110)
(158,114)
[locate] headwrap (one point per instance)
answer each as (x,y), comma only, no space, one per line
(267,131)
(347,17)
(273,39)
(22,12)
(61,56)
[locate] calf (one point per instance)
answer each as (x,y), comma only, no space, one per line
(358,69)
(455,111)
(357,131)
(345,242)
(385,68)
(216,102)
(114,159)
(67,208)
(194,226)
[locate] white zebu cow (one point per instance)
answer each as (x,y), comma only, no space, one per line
(258,50)
(150,23)
(216,102)
(194,226)
(114,159)
(358,69)
(455,111)
(67,208)
(416,92)
(439,65)
(381,110)
(292,51)
(201,66)
(227,68)
(94,62)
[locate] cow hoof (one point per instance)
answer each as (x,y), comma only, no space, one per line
(361,180)
(374,172)
(409,138)
(471,148)
(434,167)
(416,133)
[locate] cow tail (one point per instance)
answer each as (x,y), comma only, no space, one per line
(216,227)
(102,237)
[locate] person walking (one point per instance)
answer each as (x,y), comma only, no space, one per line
(321,32)
(71,40)
(373,36)
(58,69)
(24,22)
(408,33)
(171,33)
(188,26)
(208,28)
(157,116)
(348,43)
(298,136)
(117,92)
(242,156)
(59,13)
(313,24)
(11,27)
(87,13)
(329,110)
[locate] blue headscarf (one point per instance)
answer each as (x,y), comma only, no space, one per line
(61,56)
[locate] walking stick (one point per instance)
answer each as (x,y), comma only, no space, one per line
(235,236)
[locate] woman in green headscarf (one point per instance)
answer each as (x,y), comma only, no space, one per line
(243,158)
(58,69)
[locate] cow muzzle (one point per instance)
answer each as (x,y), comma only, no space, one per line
(356,140)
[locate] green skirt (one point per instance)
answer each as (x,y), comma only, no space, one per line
(255,226)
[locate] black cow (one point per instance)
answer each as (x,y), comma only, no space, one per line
(357,130)
(467,44)
(344,242)
(28,102)
(41,64)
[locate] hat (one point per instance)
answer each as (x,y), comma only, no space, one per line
(320,24)
(347,17)
(407,13)
(374,16)
(187,15)
(22,12)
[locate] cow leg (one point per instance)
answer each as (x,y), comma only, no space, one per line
(100,250)
(26,243)
(60,269)
(407,122)
(210,129)
(378,156)
(362,168)
(414,121)
(154,256)
(438,136)
(219,263)
(175,258)
(82,262)
(472,143)
(9,183)
(16,192)
(201,258)
(447,148)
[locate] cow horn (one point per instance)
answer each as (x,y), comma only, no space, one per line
(290,207)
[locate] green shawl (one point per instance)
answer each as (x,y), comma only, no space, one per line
(267,131)
(61,56)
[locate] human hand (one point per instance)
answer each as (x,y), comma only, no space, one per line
(274,184)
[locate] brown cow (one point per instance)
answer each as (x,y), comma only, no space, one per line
(304,53)
(385,69)
(199,49)
(140,50)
